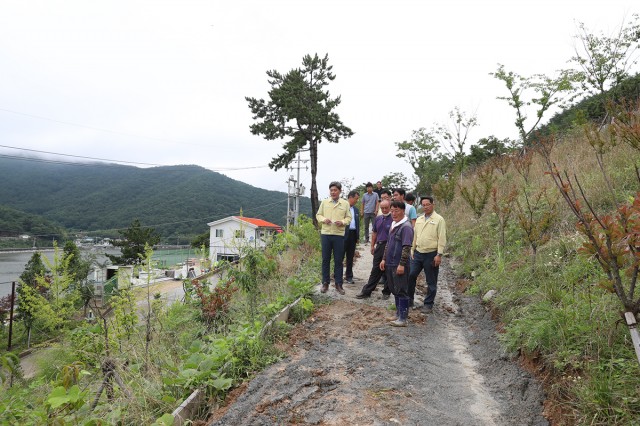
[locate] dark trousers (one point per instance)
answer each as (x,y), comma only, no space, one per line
(368,218)
(376,273)
(349,251)
(335,244)
(424,261)
(398,284)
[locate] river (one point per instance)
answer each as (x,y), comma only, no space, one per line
(12,264)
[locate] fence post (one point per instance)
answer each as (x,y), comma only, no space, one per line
(635,338)
(13,299)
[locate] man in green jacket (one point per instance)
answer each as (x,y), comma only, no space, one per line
(429,241)
(334,214)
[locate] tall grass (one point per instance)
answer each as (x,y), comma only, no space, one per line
(556,311)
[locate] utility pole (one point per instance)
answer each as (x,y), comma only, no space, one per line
(294,192)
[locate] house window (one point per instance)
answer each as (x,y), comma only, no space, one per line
(219,233)
(239,233)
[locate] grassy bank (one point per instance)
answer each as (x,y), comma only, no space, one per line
(554,301)
(148,359)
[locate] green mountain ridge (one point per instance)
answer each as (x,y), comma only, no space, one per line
(100,198)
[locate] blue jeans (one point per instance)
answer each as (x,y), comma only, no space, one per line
(335,244)
(419,262)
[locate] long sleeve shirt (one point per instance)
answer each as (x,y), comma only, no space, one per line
(430,234)
(339,210)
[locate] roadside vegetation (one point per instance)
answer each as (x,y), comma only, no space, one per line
(135,366)
(547,228)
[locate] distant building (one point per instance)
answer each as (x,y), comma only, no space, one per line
(228,235)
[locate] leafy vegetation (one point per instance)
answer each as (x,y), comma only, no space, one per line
(105,198)
(121,370)
(301,109)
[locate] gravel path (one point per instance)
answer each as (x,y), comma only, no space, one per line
(347,366)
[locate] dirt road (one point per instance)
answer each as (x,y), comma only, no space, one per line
(347,366)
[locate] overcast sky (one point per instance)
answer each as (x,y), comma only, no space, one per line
(164,82)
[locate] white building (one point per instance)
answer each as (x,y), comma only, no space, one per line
(228,235)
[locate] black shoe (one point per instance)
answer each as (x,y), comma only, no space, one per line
(362,296)
(339,289)
(427,309)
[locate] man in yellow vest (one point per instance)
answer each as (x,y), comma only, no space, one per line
(334,214)
(429,241)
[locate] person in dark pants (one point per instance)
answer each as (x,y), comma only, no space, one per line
(351,234)
(334,215)
(386,195)
(379,235)
(370,204)
(396,259)
(428,245)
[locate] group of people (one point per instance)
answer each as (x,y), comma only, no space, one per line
(402,244)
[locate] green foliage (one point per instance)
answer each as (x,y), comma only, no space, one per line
(78,266)
(477,194)
(604,61)
(546,92)
(132,244)
(123,322)
(9,369)
(301,110)
(487,148)
(165,420)
(201,240)
(445,189)
(104,198)
(61,295)
(301,310)
(88,344)
(201,369)
(15,223)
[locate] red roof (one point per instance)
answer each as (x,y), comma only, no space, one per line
(257,222)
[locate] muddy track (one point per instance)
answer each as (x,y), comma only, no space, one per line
(347,366)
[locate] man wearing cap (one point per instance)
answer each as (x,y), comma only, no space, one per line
(334,215)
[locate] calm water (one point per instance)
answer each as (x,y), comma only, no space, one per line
(12,264)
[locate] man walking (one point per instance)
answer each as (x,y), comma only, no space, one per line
(379,235)
(396,258)
(351,234)
(370,203)
(429,241)
(334,214)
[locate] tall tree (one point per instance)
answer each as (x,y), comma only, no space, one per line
(78,266)
(605,60)
(544,92)
(454,137)
(30,293)
(422,153)
(132,244)
(301,110)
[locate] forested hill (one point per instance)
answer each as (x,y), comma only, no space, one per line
(177,200)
